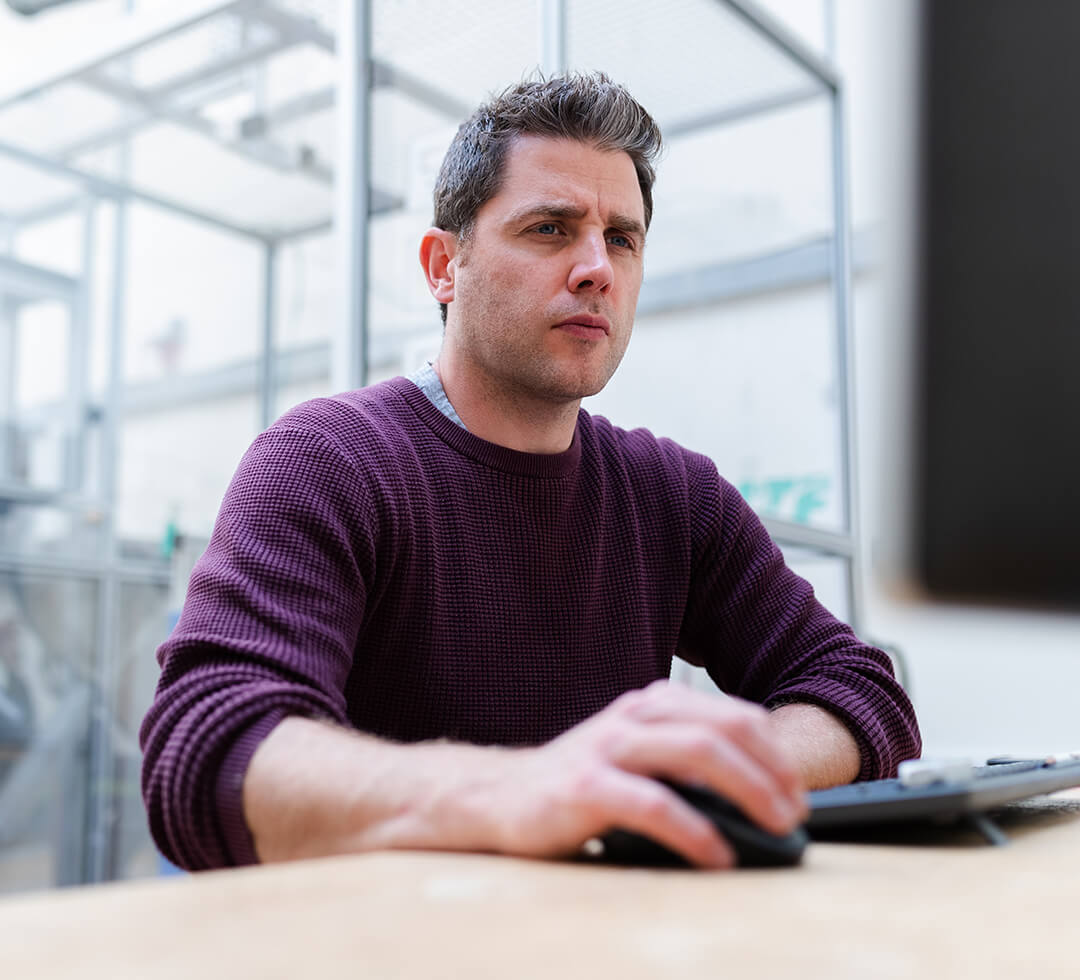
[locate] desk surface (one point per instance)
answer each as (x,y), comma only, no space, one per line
(951,906)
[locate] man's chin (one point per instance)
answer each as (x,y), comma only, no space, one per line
(574,389)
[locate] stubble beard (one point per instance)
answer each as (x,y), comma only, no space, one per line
(522,375)
(509,370)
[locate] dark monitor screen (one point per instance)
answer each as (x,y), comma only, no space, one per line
(996,503)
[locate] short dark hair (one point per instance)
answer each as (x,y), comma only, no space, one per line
(589,108)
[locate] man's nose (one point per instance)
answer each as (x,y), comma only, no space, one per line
(592,270)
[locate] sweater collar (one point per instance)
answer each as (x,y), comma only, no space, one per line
(540,465)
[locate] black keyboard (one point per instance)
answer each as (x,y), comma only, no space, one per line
(940,792)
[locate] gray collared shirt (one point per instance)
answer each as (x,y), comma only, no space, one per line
(428,382)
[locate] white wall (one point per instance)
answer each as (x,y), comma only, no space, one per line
(983,680)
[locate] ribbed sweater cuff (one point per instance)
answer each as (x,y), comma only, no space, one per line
(229,792)
(877,747)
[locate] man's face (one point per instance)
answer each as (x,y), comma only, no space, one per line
(546,285)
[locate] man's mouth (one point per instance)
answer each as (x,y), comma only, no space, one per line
(585,325)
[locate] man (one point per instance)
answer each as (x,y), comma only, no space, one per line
(440,612)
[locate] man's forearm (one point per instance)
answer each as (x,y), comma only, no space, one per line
(825,752)
(313,789)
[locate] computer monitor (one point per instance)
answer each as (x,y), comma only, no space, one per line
(994,440)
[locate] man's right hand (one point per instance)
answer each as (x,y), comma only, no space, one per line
(603,774)
(312,789)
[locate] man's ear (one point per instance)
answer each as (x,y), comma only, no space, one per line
(438,253)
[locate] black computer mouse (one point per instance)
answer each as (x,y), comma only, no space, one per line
(754,847)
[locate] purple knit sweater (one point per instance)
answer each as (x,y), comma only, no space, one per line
(376,564)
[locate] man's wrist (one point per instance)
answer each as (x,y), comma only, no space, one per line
(443,797)
(824,749)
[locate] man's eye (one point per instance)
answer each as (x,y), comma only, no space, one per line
(620,241)
(547,228)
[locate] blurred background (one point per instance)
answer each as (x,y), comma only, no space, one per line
(210,211)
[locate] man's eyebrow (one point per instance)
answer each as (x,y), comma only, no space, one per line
(632,226)
(556,209)
(545,209)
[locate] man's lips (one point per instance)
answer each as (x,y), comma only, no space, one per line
(586,320)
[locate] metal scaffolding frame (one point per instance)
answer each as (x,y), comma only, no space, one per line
(269,29)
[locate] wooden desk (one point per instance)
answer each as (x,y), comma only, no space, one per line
(954,907)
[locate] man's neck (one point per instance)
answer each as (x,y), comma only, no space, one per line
(513,421)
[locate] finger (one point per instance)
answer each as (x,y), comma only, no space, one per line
(695,754)
(644,806)
(731,719)
(760,746)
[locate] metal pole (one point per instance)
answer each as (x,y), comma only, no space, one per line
(265,383)
(102,769)
(844,350)
(102,805)
(349,363)
(781,37)
(830,30)
(9,354)
(124,41)
(552,17)
(80,802)
(78,381)
(744,110)
(121,190)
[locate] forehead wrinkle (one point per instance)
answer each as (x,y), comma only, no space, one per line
(561,178)
(547,209)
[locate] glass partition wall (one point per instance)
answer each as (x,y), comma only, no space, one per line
(211,214)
